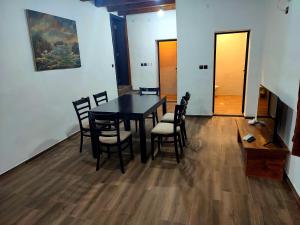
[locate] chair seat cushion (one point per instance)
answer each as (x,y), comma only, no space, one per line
(169,118)
(85,124)
(150,116)
(164,129)
(113,140)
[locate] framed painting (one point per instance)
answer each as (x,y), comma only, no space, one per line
(54,41)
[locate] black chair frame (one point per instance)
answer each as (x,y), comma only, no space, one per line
(145,91)
(100,97)
(108,125)
(154,115)
(82,107)
(176,135)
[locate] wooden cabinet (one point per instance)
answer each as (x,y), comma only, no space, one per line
(261,160)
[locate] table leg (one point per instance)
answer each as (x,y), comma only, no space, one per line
(143,146)
(93,141)
(164,107)
(94,144)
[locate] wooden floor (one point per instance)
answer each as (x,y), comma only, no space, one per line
(228,105)
(208,187)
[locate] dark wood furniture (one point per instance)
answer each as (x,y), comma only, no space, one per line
(153,116)
(106,128)
(133,107)
(100,97)
(82,107)
(261,160)
(296,137)
(169,118)
(162,130)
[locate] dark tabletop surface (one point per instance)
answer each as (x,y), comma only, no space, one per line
(130,104)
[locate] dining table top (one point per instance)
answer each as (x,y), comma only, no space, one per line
(132,107)
(131,104)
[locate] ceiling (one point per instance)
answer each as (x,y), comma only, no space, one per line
(127,7)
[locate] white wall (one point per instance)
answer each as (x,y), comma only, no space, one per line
(143,31)
(197,21)
(36,107)
(281,68)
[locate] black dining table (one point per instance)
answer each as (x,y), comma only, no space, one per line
(132,107)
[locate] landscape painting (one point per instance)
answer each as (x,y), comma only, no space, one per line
(54,41)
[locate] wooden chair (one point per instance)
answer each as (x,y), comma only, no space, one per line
(106,128)
(100,97)
(154,115)
(149,91)
(169,117)
(82,107)
(162,130)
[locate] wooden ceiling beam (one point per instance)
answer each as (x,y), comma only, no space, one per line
(148,4)
(146,10)
(105,3)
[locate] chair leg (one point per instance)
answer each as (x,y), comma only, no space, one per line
(108,152)
(136,125)
(176,148)
(121,159)
(153,119)
(98,160)
(156,116)
(81,141)
(159,143)
(182,135)
(99,149)
(180,143)
(152,146)
(131,148)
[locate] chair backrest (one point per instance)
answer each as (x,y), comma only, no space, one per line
(100,97)
(184,102)
(178,116)
(105,124)
(149,91)
(82,107)
(187,96)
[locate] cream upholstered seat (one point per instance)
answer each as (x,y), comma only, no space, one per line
(108,134)
(113,139)
(167,130)
(85,123)
(164,129)
(169,118)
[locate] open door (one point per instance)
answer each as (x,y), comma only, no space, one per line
(231,54)
(167,55)
(121,53)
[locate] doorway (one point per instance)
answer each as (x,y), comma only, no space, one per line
(230,71)
(121,52)
(167,68)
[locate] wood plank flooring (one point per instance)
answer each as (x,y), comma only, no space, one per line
(208,187)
